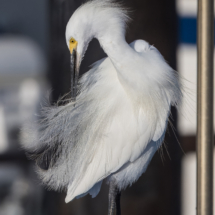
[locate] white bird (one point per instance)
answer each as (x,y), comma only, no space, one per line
(119,117)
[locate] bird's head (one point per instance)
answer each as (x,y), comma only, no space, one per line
(77,43)
(78,34)
(102,19)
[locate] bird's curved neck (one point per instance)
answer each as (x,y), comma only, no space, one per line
(117,49)
(124,59)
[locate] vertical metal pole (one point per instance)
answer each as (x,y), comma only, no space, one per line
(205,108)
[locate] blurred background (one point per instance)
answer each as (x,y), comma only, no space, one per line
(34,59)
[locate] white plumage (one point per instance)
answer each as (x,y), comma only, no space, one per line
(120,114)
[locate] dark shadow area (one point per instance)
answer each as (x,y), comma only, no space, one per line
(93,54)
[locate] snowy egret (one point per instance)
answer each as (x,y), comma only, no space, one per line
(112,128)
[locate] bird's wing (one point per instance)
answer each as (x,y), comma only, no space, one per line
(123,132)
(78,146)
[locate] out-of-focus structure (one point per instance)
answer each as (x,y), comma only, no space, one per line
(187,66)
(23,44)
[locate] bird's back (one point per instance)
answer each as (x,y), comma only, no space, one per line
(128,137)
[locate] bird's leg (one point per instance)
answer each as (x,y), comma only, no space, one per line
(118,208)
(114,199)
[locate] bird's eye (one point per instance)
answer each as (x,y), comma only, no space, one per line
(72,40)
